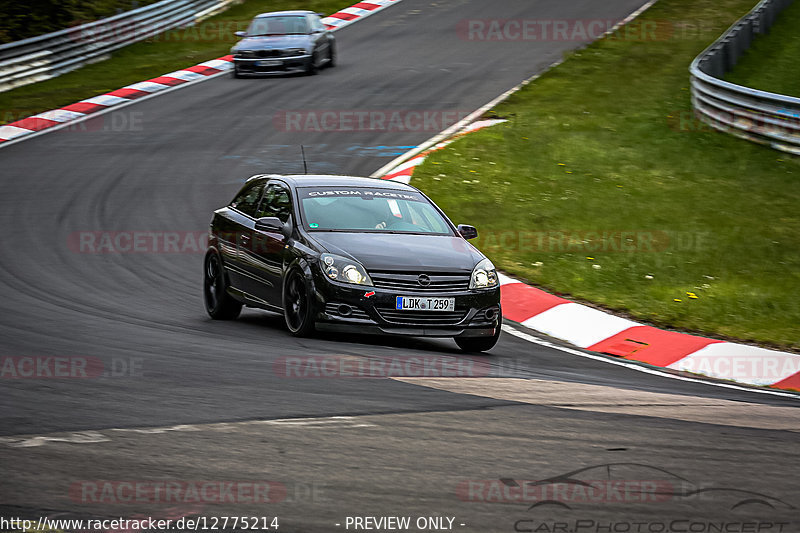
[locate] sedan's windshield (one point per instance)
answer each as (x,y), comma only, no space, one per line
(370,210)
(286,25)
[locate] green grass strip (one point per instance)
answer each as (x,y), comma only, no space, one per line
(164,53)
(603,187)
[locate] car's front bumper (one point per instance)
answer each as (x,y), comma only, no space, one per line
(266,65)
(363,309)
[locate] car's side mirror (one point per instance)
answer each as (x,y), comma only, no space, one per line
(273,224)
(240,34)
(468,232)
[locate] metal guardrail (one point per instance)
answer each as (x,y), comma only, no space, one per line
(46,56)
(758,116)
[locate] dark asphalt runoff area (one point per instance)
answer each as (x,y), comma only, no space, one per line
(174,397)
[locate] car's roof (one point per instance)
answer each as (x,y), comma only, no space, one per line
(325,180)
(284,13)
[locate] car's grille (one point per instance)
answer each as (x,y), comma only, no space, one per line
(410,282)
(335,309)
(427,318)
(255,54)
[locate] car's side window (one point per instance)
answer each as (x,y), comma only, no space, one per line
(247,200)
(277,203)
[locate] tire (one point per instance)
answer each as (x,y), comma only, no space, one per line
(298,308)
(331,57)
(236,73)
(311,66)
(477,344)
(219,304)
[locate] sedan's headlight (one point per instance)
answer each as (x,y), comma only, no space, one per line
(340,268)
(484,276)
(296,51)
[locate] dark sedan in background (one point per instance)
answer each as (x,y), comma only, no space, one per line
(350,254)
(284,41)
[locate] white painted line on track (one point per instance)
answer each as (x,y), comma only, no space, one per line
(93,437)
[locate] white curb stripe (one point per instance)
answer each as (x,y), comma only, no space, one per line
(106,100)
(219,64)
(740,362)
(59,115)
(186,75)
(9,132)
(146,86)
(577,324)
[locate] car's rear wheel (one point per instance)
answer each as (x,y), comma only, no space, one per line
(298,309)
(219,304)
(478,344)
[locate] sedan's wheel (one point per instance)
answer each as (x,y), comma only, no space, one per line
(331,57)
(478,344)
(236,72)
(311,64)
(219,304)
(297,306)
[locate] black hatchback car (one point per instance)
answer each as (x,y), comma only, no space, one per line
(284,41)
(350,254)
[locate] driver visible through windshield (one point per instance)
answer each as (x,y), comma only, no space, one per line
(370,210)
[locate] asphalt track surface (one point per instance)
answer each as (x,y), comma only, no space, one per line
(163,165)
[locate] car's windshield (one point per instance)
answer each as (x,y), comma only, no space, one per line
(279,25)
(370,210)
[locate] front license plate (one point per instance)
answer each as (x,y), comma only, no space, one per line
(271,63)
(416,303)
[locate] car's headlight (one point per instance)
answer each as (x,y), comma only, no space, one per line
(345,270)
(484,276)
(297,51)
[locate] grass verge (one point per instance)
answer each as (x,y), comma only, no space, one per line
(771,63)
(164,53)
(602,186)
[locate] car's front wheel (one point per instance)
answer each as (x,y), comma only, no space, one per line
(331,57)
(236,72)
(478,344)
(219,304)
(311,64)
(298,309)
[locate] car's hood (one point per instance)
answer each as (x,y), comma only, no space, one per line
(272,42)
(398,252)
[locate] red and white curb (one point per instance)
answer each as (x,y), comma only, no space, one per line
(348,15)
(59,118)
(404,171)
(597,331)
